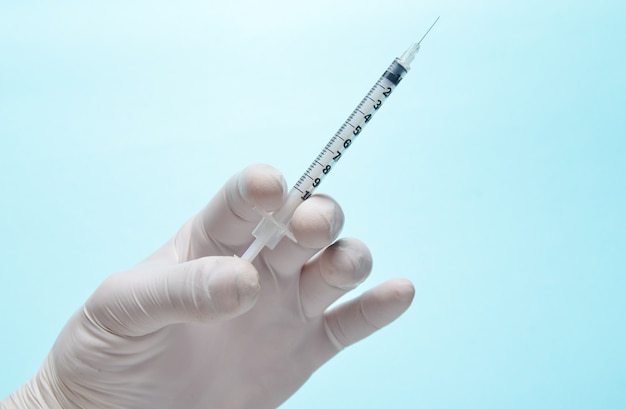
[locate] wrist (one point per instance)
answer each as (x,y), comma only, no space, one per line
(37,392)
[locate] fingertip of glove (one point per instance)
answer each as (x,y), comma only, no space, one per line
(317,221)
(402,290)
(248,285)
(346,263)
(388,301)
(234,286)
(263,186)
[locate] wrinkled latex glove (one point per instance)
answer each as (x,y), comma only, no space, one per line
(194,327)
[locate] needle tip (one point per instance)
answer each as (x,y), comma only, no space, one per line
(408,56)
(428,31)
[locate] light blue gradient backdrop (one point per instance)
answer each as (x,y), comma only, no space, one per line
(494,177)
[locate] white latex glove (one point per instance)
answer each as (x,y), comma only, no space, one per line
(194,327)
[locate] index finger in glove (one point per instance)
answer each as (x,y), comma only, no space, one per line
(224,226)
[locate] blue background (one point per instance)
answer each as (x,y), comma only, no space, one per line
(493,179)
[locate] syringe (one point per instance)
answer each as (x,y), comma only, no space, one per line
(273,227)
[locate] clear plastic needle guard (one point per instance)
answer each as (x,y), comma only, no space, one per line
(273,227)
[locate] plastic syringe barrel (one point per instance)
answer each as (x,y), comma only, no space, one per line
(275,226)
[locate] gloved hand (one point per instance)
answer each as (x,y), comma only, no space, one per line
(194,327)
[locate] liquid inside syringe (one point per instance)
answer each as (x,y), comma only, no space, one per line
(275,226)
